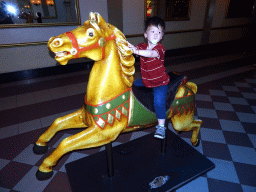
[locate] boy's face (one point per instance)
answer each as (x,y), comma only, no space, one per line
(154,34)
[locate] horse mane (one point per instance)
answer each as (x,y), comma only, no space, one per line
(126,58)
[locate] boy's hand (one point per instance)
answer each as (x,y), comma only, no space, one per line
(132,47)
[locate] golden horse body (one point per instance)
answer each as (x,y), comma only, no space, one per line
(111,77)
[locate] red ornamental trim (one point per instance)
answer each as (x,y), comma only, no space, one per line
(128,89)
(75,45)
(115,117)
(180,112)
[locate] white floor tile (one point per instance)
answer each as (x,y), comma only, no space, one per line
(239,101)
(246,117)
(217,92)
(201,97)
(224,170)
(242,154)
(138,134)
(198,185)
(28,156)
(248,188)
(41,96)
(30,183)
(210,113)
(8,103)
(253,139)
(249,95)
(58,92)
(4,189)
(240,84)
(234,126)
(212,135)
(9,131)
(230,88)
(223,106)
(3,163)
(29,126)
(73,157)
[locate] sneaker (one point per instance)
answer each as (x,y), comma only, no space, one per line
(160,132)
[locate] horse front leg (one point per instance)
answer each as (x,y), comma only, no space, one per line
(93,136)
(72,120)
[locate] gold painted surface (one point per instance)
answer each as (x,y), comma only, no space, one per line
(110,76)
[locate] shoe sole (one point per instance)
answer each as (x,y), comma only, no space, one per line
(158,136)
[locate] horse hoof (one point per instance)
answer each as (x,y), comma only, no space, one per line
(39,149)
(196,144)
(43,175)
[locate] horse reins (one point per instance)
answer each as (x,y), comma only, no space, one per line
(75,50)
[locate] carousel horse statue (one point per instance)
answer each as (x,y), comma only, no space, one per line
(112,105)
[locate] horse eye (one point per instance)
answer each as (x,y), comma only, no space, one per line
(90,34)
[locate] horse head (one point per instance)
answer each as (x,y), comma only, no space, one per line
(93,40)
(87,40)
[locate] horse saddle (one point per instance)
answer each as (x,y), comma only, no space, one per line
(146,97)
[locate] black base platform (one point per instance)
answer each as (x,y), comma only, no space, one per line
(137,163)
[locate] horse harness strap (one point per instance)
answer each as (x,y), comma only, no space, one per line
(112,109)
(75,50)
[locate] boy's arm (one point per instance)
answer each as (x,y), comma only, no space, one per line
(144,53)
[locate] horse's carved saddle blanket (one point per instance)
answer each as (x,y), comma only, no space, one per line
(145,95)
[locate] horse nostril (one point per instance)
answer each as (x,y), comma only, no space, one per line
(57,42)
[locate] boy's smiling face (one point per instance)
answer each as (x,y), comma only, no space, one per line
(154,34)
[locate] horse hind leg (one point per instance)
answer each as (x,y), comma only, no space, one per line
(186,122)
(72,120)
(196,125)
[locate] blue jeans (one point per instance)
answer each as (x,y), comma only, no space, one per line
(160,94)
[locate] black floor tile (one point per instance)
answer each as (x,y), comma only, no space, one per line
(235,138)
(216,150)
(222,99)
(246,173)
(223,186)
(211,123)
(242,108)
(227,115)
(249,127)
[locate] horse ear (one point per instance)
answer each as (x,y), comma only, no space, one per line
(100,19)
(92,16)
(97,18)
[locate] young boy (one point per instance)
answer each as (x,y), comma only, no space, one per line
(152,69)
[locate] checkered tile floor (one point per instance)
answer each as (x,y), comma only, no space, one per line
(226,102)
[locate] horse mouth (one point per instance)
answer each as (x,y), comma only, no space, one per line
(61,54)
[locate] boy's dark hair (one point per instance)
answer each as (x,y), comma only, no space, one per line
(155,21)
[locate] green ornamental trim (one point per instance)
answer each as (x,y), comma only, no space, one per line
(113,109)
(184,104)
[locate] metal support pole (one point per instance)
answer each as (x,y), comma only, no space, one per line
(109,160)
(164,141)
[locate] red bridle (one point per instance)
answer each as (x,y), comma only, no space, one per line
(75,50)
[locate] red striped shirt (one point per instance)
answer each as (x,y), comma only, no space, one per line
(152,68)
